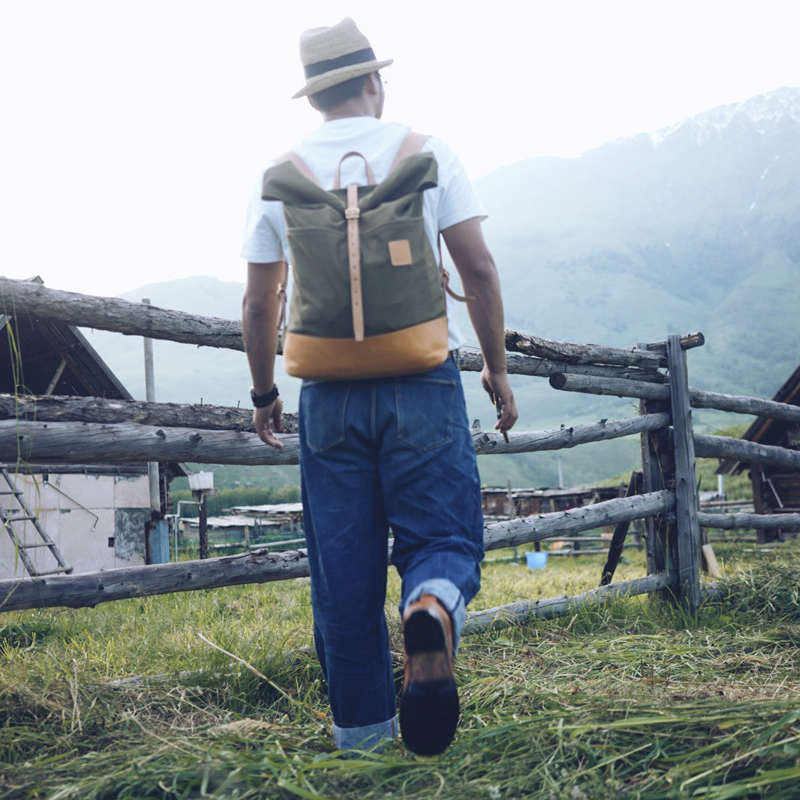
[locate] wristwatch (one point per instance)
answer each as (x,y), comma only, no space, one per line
(264,400)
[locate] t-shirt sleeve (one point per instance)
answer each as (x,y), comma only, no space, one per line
(263,229)
(458,200)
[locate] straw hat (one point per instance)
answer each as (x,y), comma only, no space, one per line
(334,55)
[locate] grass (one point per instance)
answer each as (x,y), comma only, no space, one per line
(631,699)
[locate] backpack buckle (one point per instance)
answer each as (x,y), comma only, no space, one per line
(352,213)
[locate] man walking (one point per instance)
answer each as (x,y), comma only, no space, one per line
(381,453)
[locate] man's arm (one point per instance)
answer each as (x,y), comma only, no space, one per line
(479,278)
(260,312)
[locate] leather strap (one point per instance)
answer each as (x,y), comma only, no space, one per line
(411,145)
(337,180)
(282,298)
(299,163)
(352,213)
(464,298)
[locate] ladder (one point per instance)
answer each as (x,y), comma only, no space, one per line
(16,512)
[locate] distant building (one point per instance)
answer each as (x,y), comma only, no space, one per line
(97,516)
(776,490)
(528,502)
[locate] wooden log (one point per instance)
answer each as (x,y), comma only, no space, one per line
(712,565)
(519,364)
(740,404)
(112,314)
(649,356)
(593,551)
(687,500)
(741,450)
(487,442)
(735,538)
(128,442)
(90,589)
(762,522)
(582,353)
(618,387)
(620,532)
(98,409)
(548,526)
(134,319)
(519,613)
(653,445)
(699,398)
(688,342)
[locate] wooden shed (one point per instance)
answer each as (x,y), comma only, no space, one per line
(68,517)
(775,490)
(528,502)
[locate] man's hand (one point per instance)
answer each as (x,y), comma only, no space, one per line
(499,391)
(261,419)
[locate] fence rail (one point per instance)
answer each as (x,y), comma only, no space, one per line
(51,430)
(261,566)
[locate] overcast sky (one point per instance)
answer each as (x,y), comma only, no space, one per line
(133,131)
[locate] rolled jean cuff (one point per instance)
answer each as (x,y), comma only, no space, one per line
(448,594)
(366,736)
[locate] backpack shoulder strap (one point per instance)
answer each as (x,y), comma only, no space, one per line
(412,144)
(301,165)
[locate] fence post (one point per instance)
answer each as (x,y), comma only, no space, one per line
(685,548)
(654,446)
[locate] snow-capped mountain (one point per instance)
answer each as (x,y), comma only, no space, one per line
(766,113)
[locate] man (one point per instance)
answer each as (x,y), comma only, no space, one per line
(381,453)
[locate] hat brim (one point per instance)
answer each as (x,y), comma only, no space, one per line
(336,76)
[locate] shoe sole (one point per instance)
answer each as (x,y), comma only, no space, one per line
(429,706)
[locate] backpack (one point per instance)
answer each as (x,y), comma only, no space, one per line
(368,297)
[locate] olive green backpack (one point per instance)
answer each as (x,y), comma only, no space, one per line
(368,297)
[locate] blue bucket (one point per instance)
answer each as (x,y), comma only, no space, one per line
(536,560)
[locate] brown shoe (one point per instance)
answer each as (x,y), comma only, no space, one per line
(429,706)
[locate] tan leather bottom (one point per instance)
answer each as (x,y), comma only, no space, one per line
(416,349)
(430,665)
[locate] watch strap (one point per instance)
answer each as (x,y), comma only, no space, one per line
(263,400)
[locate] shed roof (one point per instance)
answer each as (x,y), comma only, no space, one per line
(39,357)
(32,352)
(766,430)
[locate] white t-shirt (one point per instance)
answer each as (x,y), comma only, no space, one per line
(452,201)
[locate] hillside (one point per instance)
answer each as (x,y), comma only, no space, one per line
(692,228)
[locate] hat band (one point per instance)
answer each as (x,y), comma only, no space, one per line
(347,60)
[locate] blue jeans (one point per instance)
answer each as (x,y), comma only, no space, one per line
(375,455)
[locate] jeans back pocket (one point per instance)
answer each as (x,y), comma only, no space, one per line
(323,407)
(425,411)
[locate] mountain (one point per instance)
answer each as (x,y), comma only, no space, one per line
(694,227)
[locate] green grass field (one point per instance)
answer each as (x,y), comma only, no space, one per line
(629,700)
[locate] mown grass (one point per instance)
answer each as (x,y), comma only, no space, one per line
(631,699)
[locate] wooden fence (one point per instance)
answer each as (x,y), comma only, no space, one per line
(663,494)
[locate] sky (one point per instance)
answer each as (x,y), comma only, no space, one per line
(133,132)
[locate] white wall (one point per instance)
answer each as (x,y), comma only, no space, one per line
(97,521)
